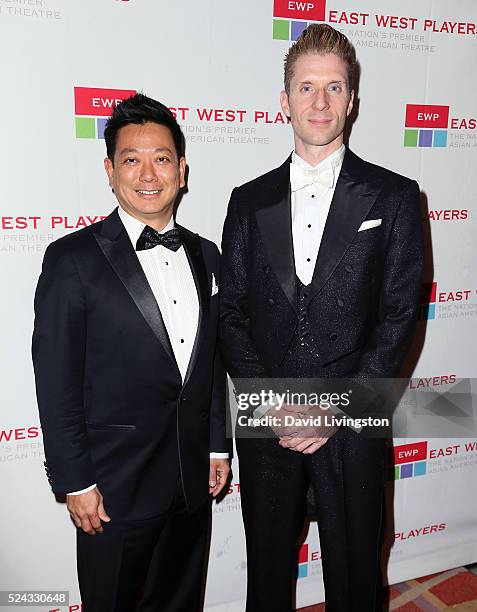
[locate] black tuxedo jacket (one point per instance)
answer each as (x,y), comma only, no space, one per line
(112,404)
(363,298)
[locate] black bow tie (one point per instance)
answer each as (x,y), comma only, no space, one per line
(150,238)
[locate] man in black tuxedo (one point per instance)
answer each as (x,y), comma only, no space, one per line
(321,267)
(130,389)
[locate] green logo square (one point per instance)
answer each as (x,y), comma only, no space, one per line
(281,29)
(392,472)
(85,127)
(410,138)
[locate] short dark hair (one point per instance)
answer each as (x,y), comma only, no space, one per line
(139,109)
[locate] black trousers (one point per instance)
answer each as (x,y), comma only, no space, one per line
(154,565)
(347,476)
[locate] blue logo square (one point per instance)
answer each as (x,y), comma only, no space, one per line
(425,138)
(100,125)
(406,470)
(297,28)
(440,138)
(420,468)
(427,312)
(302,570)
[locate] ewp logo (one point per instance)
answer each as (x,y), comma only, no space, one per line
(302,562)
(287,28)
(409,460)
(93,106)
(426,125)
(427,309)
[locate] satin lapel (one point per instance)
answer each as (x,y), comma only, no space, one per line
(114,242)
(195,256)
(274,223)
(353,198)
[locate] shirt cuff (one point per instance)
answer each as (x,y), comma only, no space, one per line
(83,490)
(259,412)
(219,455)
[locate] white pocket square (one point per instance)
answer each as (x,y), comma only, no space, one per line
(369,224)
(215,288)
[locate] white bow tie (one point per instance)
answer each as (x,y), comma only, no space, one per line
(301,177)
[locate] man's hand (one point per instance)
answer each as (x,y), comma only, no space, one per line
(308,438)
(218,474)
(293,412)
(87,511)
(307,446)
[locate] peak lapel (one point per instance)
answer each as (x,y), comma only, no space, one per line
(116,246)
(352,200)
(195,256)
(274,223)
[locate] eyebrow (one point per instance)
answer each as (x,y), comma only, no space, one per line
(329,82)
(128,150)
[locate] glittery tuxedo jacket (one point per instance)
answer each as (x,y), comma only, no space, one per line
(113,407)
(364,294)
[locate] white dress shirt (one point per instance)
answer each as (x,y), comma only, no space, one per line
(170,277)
(309,210)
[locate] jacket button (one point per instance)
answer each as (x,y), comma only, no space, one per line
(333,336)
(183,399)
(349,268)
(340,302)
(271,301)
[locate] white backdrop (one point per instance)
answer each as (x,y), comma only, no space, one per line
(203,59)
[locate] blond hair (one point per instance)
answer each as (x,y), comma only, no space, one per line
(322,39)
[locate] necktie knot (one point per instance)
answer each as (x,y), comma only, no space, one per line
(151,238)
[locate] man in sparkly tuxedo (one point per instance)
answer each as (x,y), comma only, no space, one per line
(130,388)
(321,268)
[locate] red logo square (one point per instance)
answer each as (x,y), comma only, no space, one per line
(99,102)
(309,10)
(427,116)
(408,453)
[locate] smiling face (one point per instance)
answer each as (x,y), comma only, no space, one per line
(146,175)
(318,104)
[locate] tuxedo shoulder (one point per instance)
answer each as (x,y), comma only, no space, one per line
(387,176)
(74,242)
(206,245)
(264,181)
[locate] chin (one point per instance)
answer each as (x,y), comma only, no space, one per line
(320,142)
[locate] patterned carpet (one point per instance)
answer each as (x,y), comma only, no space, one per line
(455,589)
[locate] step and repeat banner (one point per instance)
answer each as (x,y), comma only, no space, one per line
(218,66)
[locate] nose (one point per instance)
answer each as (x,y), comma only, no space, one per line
(320,100)
(148,172)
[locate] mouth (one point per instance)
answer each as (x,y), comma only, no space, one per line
(148,193)
(320,122)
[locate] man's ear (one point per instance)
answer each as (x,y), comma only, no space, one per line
(284,103)
(108,166)
(182,169)
(350,103)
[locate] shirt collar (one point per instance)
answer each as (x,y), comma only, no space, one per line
(335,160)
(134,227)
